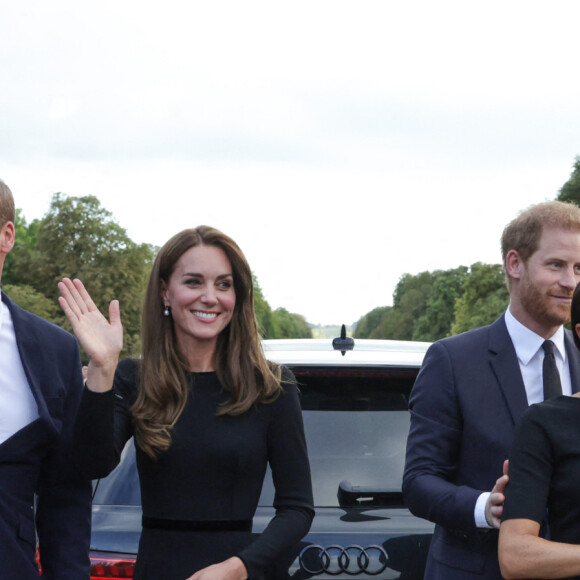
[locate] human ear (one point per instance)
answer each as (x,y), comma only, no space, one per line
(514,265)
(163,291)
(7,237)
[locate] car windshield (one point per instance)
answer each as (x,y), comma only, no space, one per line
(356,422)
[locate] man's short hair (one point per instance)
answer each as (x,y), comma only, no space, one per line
(7,210)
(524,232)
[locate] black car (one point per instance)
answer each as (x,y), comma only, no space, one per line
(355,406)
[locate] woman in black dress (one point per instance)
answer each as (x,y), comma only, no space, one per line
(207,411)
(544,478)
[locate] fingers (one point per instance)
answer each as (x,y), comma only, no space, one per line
(496,512)
(76,301)
(76,298)
(84,295)
(67,299)
(494,506)
(501,484)
(494,509)
(115,313)
(496,499)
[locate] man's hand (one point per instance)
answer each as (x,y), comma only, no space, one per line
(494,505)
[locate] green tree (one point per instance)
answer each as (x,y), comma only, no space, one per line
(19,260)
(409,303)
(288,325)
(570,191)
(389,325)
(370,321)
(436,321)
(263,311)
(431,305)
(28,298)
(485,297)
(78,238)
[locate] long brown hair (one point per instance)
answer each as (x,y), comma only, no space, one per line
(241,366)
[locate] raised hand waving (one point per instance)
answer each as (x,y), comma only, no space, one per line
(100,338)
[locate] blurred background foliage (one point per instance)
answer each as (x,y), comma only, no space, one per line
(431,305)
(79,238)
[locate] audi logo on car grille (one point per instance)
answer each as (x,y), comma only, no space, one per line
(351,560)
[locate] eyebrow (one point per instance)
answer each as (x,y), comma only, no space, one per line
(198,275)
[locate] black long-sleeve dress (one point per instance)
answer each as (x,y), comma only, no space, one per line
(544,468)
(199,496)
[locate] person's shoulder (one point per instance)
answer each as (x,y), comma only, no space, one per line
(469,339)
(288,378)
(128,369)
(288,386)
(552,418)
(478,333)
(42,328)
(558,407)
(127,378)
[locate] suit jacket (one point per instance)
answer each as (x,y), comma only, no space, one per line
(464,406)
(35,462)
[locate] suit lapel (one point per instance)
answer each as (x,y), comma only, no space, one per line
(505,365)
(28,348)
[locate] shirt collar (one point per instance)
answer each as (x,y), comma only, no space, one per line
(527,342)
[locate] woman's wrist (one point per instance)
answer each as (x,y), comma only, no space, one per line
(99,378)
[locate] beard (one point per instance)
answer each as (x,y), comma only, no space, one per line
(541,306)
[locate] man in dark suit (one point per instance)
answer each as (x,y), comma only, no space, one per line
(42,497)
(473,387)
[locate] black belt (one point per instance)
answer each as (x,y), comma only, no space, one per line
(197,526)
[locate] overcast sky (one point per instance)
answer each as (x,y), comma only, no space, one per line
(341,144)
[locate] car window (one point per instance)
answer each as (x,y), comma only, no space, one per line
(121,486)
(356,422)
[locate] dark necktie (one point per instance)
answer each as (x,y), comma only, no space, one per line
(552,385)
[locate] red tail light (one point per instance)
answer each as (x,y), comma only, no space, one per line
(111,565)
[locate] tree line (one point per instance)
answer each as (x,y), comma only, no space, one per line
(79,238)
(431,305)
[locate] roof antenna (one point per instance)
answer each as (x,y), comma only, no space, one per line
(343,343)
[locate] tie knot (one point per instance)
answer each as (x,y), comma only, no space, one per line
(548,347)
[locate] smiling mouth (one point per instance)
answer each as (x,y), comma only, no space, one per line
(206,315)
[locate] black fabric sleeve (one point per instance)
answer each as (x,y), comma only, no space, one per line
(288,458)
(103,423)
(530,469)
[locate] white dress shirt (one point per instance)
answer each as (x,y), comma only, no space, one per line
(530,354)
(18,407)
(528,347)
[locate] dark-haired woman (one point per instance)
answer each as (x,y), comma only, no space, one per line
(544,478)
(207,411)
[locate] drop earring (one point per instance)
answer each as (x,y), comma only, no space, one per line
(167,311)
